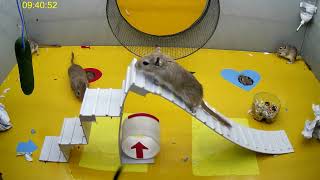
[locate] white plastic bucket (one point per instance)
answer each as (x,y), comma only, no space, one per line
(141,136)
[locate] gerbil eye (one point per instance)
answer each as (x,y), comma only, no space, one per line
(78,93)
(145,63)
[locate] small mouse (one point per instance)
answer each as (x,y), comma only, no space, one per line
(34,46)
(78,79)
(169,74)
(288,52)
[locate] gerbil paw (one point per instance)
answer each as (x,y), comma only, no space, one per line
(193,110)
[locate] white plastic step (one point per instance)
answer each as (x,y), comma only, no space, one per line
(72,132)
(51,151)
(102,102)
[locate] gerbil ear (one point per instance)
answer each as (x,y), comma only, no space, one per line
(158,61)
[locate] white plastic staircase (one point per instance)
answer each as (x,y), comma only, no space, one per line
(57,148)
(109,102)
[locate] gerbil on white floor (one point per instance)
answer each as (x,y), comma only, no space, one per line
(166,72)
(288,52)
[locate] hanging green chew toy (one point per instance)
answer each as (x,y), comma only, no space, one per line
(24,59)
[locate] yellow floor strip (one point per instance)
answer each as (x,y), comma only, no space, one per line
(212,155)
(102,153)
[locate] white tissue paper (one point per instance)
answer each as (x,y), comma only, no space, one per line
(312,128)
(28,157)
(4,119)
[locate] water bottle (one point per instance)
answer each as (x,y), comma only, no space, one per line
(307,9)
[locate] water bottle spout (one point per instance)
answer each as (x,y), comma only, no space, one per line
(307,10)
(301,24)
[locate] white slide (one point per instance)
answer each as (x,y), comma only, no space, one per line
(109,103)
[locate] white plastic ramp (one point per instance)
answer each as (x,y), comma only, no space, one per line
(101,102)
(267,142)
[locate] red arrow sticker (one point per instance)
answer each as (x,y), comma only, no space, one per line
(139,149)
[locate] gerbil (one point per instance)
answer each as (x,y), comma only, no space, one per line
(78,79)
(166,72)
(288,52)
(34,46)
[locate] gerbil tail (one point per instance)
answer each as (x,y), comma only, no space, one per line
(214,114)
(117,174)
(72,58)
